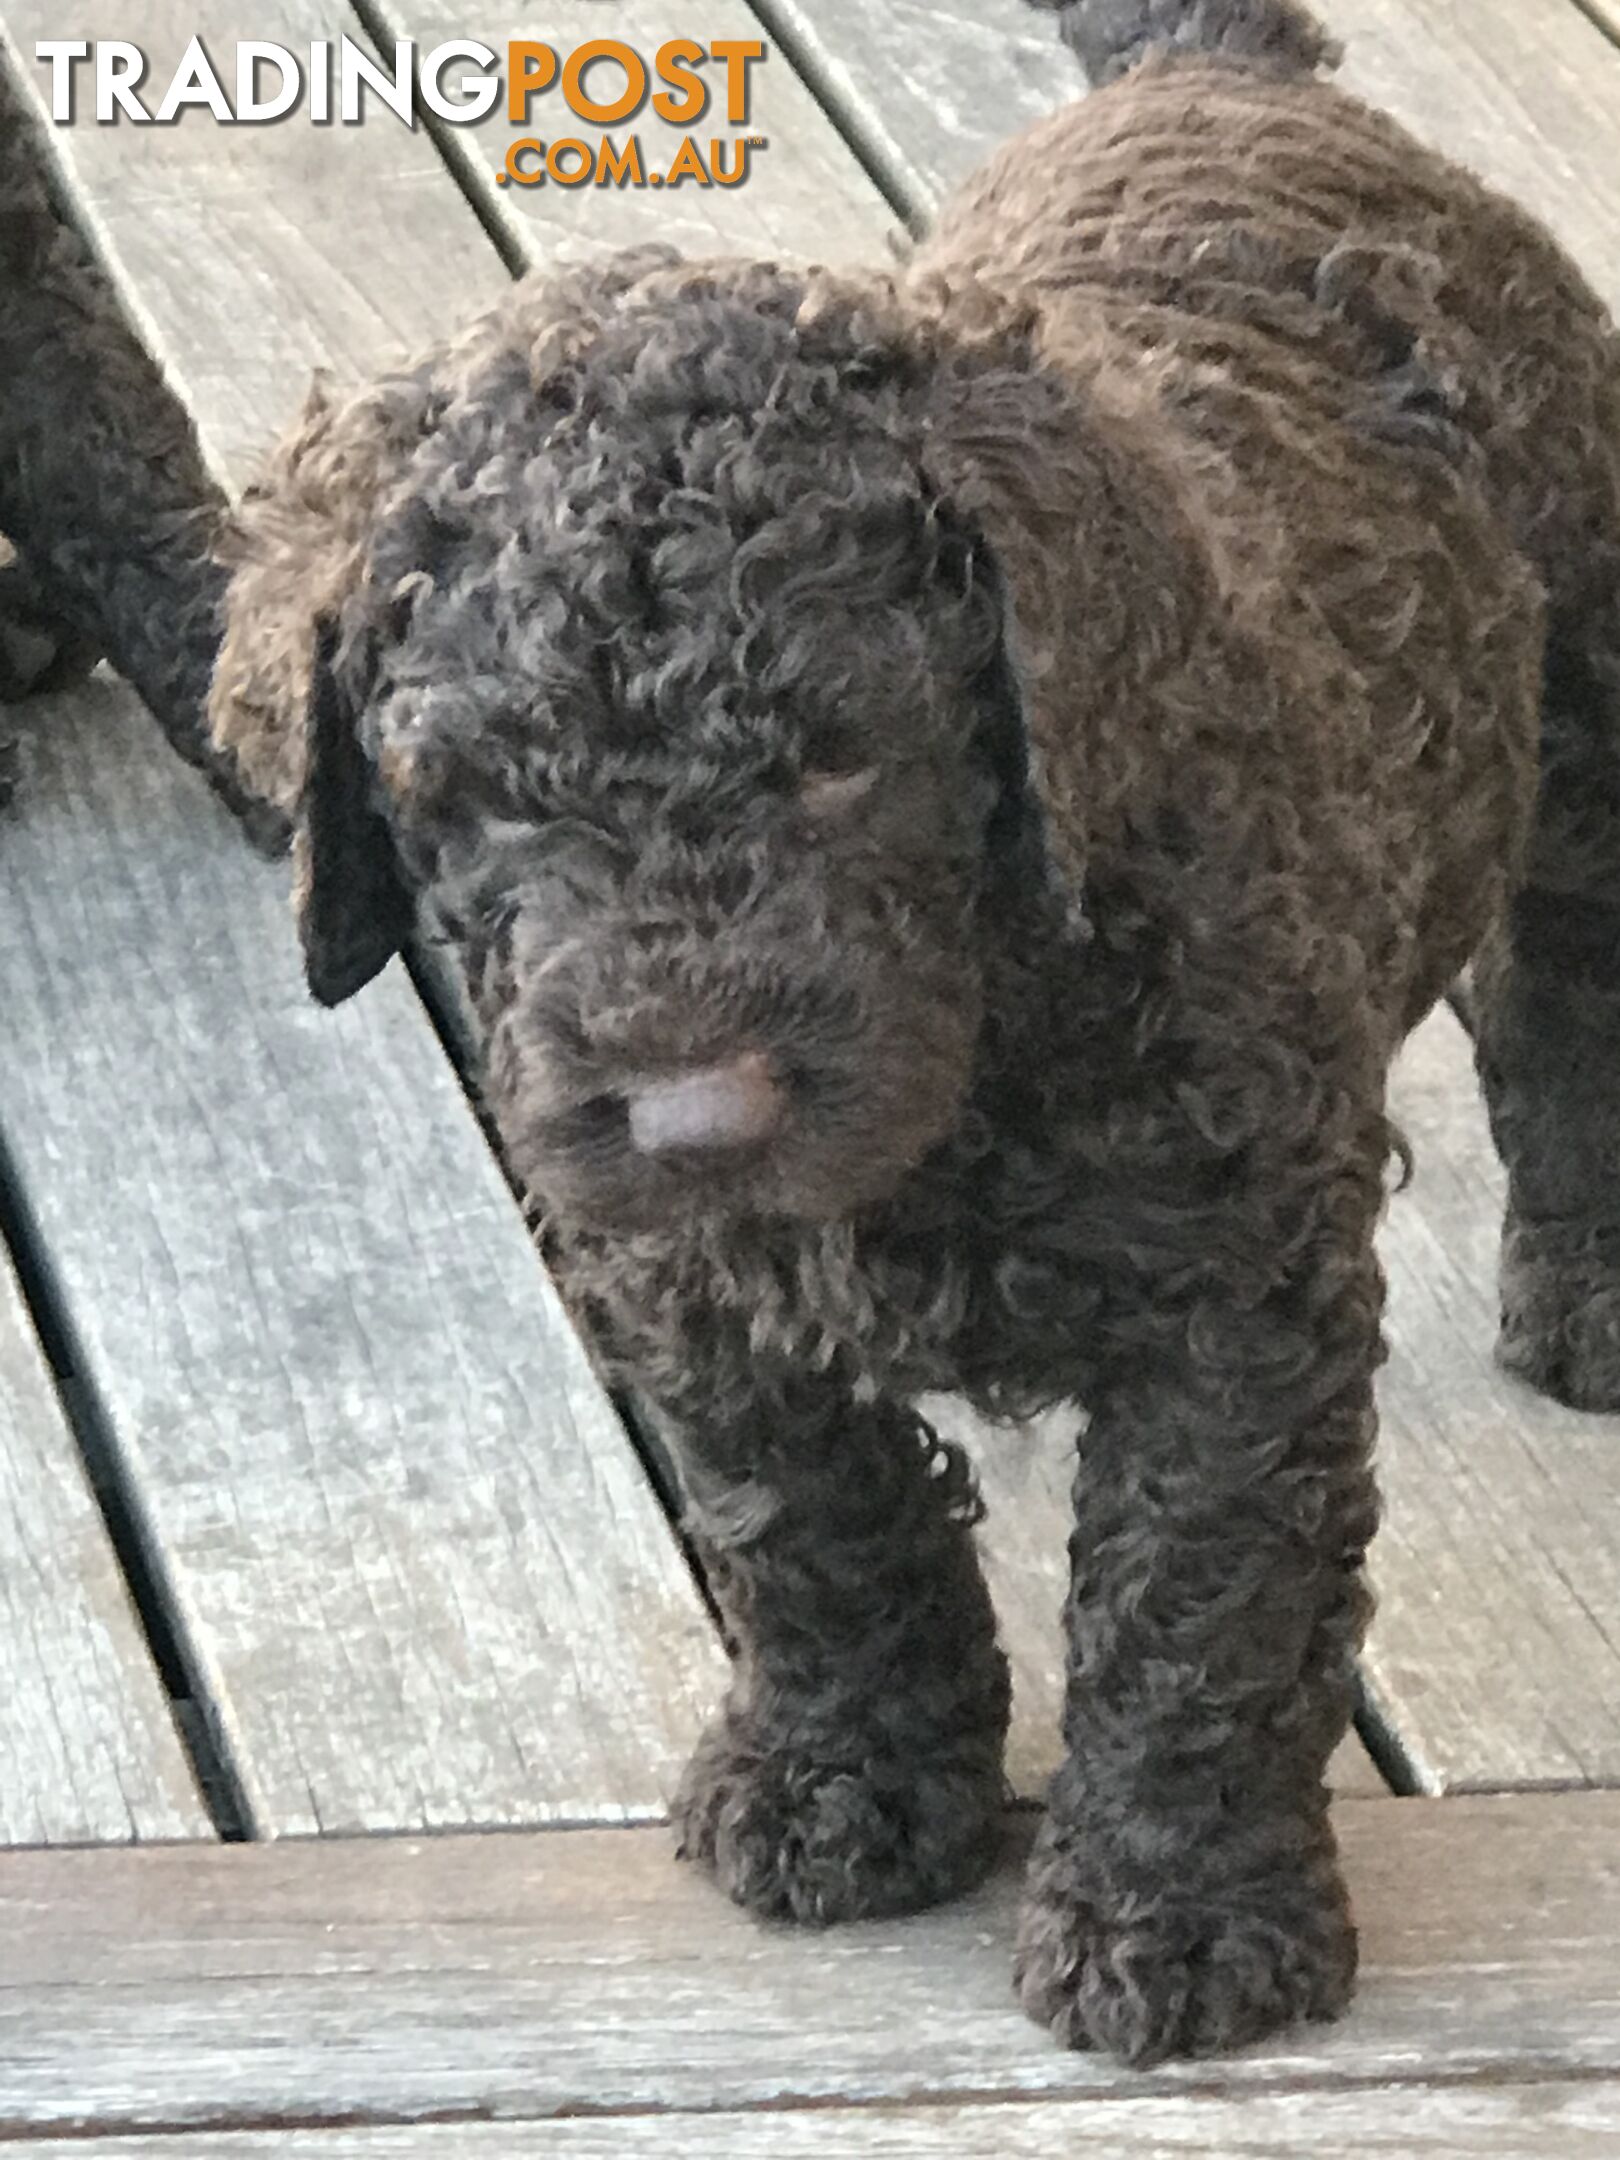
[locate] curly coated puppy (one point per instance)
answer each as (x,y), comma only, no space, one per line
(108,516)
(949,787)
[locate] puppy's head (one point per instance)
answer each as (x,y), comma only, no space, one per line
(656,639)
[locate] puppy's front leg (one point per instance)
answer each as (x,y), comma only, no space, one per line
(39,651)
(1185,1895)
(856,1766)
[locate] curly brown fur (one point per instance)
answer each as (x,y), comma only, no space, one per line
(949,788)
(106,505)
(857,1766)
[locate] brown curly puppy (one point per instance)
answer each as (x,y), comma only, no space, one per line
(949,788)
(108,514)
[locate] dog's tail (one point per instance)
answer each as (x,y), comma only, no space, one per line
(1109,37)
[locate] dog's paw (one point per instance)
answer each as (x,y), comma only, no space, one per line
(38,651)
(796,1836)
(1174,1975)
(1561,1311)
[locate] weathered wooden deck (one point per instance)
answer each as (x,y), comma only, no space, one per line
(317,1533)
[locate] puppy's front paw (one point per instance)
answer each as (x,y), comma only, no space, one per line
(1561,1310)
(38,652)
(1181,1973)
(840,1834)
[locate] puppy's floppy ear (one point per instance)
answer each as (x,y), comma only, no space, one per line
(287,695)
(299,549)
(333,534)
(354,910)
(1102,581)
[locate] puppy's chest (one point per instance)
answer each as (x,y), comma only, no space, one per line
(984,1273)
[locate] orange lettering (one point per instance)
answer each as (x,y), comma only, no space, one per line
(530,68)
(515,169)
(675,65)
(570,163)
(587,107)
(687,164)
(739,54)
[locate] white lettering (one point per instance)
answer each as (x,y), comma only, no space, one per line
(61,53)
(195,83)
(474,94)
(120,68)
(249,58)
(357,71)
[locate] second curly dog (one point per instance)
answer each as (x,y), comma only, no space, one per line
(949,788)
(108,513)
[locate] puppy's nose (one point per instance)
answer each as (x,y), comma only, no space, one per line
(716,1106)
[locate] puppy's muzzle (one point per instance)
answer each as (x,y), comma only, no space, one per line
(713,1109)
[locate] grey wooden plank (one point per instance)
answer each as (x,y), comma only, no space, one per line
(419,1568)
(1525,91)
(1566,2120)
(1495,1658)
(585,1973)
(421,1571)
(1026,1474)
(88,1752)
(804,196)
(926,87)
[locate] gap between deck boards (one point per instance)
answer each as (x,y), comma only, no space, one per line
(1557,2120)
(137,1553)
(1396,2116)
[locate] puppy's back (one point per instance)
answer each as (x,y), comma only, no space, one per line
(1247,226)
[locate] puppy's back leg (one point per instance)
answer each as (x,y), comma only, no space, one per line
(1547,992)
(856,1766)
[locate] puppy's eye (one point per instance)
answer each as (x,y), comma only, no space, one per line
(831,794)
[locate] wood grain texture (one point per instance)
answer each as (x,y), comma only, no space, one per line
(423,1577)
(1566,2120)
(805,195)
(925,88)
(88,1752)
(585,1972)
(250,256)
(1527,93)
(1026,1474)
